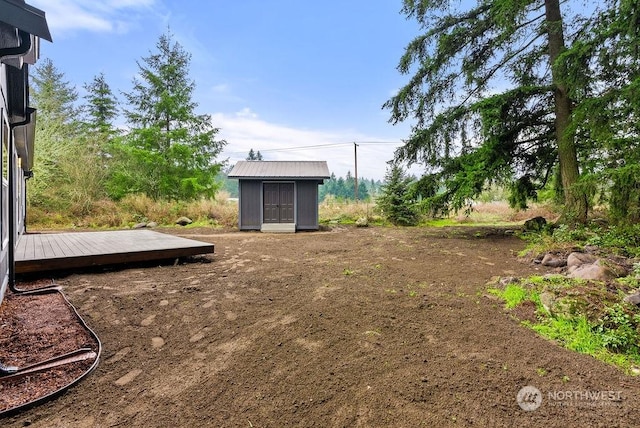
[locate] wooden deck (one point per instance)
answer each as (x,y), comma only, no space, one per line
(55,251)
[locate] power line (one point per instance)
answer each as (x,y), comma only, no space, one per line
(319,146)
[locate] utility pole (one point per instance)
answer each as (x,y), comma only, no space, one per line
(355,152)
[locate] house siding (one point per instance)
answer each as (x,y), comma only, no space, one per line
(20,29)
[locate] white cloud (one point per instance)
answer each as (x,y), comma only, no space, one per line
(245,130)
(222,88)
(91,15)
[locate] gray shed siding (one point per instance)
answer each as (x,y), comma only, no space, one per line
(250,215)
(307,209)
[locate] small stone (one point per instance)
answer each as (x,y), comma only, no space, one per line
(151,225)
(508,280)
(634,299)
(578,259)
(553,261)
(362,222)
(183,221)
(140,225)
(548,300)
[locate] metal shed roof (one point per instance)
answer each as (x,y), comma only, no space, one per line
(280,169)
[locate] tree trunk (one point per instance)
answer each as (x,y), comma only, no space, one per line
(576,206)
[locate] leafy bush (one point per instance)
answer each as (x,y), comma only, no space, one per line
(619,329)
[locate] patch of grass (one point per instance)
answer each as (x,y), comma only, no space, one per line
(348,272)
(440,222)
(512,294)
(608,331)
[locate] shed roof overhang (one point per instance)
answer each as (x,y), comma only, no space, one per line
(278,170)
(25,17)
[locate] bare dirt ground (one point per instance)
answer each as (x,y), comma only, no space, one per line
(356,327)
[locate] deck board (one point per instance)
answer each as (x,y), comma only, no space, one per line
(53,251)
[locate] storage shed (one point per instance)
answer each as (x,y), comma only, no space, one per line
(279,196)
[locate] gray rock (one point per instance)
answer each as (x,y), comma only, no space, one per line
(151,225)
(183,221)
(508,280)
(362,222)
(563,307)
(618,270)
(548,300)
(553,261)
(579,259)
(634,299)
(535,224)
(140,225)
(597,271)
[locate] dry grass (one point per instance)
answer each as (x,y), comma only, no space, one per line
(133,209)
(223,212)
(346,212)
(500,212)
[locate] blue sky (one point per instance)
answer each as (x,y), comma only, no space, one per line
(274,74)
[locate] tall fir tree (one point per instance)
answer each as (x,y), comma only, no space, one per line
(56,138)
(496,88)
(170,151)
(101,106)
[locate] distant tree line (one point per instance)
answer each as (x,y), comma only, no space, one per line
(345,188)
(166,151)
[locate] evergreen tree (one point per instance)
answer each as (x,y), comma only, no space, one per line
(253,156)
(545,59)
(56,139)
(101,106)
(100,110)
(170,151)
(395,201)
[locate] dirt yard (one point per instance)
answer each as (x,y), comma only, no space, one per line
(355,327)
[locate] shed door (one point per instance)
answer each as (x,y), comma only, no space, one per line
(278,203)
